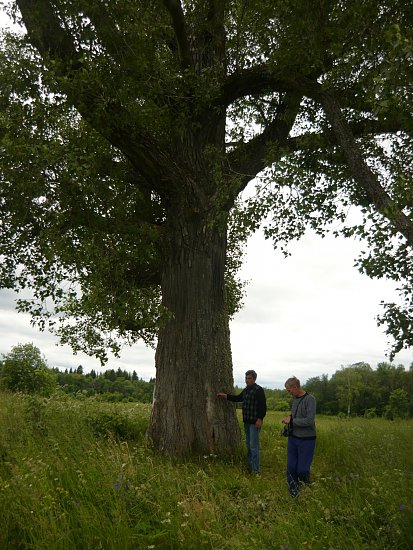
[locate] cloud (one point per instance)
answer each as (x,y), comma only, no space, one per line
(308,314)
(15,328)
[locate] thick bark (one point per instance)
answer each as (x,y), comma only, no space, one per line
(193,357)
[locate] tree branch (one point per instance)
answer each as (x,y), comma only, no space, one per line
(80,215)
(359,169)
(107,32)
(261,80)
(216,15)
(145,276)
(107,116)
(257,80)
(174,8)
(251,158)
(321,140)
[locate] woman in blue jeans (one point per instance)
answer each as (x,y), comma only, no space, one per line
(302,438)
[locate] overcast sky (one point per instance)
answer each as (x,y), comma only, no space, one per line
(305,315)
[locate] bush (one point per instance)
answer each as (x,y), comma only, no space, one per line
(118,422)
(370,413)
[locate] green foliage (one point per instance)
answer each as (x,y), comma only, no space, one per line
(399,404)
(277,400)
(118,422)
(70,488)
(274,404)
(360,390)
(25,370)
(370,413)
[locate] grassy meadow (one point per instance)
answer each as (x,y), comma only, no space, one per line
(77,474)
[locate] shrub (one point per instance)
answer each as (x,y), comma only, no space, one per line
(370,413)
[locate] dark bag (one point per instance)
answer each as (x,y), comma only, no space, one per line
(287,430)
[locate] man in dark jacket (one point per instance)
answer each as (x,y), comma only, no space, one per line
(254,408)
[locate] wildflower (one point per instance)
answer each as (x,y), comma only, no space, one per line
(402,507)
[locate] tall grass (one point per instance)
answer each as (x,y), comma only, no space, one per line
(77,474)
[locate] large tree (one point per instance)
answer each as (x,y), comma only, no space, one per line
(130,129)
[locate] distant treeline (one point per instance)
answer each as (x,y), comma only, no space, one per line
(360,390)
(355,390)
(111,385)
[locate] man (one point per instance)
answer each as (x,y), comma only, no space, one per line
(254,408)
(302,438)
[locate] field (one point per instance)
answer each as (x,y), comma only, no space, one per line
(77,474)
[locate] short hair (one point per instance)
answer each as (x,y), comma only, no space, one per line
(251,373)
(292,382)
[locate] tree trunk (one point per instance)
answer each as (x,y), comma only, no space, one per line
(193,356)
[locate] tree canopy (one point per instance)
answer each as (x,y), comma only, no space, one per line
(25,370)
(130,129)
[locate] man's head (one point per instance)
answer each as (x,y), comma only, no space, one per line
(250,377)
(293,386)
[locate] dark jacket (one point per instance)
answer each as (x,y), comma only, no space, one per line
(254,404)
